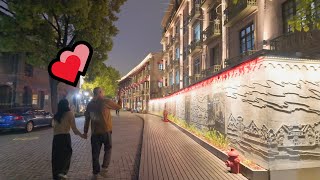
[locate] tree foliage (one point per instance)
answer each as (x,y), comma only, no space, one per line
(106,78)
(41,28)
(306,17)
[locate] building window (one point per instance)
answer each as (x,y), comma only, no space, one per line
(177,29)
(186,80)
(247,38)
(185,52)
(177,53)
(28,70)
(160,84)
(5,96)
(289,9)
(213,57)
(34,99)
(170,79)
(160,66)
(196,67)
(196,32)
(185,24)
(177,77)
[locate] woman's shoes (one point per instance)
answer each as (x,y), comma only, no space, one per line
(62,176)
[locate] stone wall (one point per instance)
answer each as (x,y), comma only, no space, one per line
(268,107)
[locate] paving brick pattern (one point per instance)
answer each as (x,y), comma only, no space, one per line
(167,153)
(29,156)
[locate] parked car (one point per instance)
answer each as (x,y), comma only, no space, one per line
(25,118)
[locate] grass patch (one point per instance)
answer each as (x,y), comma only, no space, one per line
(215,138)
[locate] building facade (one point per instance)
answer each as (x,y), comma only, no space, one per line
(241,69)
(21,84)
(141,83)
(202,37)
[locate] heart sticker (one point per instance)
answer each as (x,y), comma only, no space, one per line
(70,63)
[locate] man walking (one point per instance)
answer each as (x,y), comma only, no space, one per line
(98,113)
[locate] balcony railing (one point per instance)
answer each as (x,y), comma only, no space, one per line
(195,13)
(195,46)
(210,71)
(175,62)
(235,12)
(305,42)
(214,29)
(236,60)
(195,78)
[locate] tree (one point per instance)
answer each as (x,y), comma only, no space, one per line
(307,15)
(41,28)
(106,78)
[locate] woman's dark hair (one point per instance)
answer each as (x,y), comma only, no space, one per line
(63,107)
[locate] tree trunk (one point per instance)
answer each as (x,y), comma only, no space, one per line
(54,94)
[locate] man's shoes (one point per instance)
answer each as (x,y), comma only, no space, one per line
(62,176)
(94,177)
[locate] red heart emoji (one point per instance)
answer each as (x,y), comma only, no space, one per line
(68,70)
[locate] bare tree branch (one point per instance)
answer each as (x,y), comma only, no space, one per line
(59,29)
(54,27)
(66,28)
(72,40)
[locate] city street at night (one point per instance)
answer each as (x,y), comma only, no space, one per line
(27,156)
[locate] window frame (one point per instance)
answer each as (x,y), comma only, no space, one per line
(246,36)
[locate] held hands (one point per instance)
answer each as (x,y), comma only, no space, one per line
(84,135)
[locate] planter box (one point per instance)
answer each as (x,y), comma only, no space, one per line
(246,171)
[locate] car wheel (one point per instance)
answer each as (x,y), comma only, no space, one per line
(29,126)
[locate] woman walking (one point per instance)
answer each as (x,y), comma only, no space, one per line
(61,146)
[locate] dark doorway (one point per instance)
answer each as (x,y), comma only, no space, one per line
(41,99)
(27,96)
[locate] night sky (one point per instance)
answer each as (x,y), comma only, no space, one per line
(140,32)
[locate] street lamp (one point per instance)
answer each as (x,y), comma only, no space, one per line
(86,93)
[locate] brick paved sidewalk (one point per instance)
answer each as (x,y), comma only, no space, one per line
(28,156)
(167,153)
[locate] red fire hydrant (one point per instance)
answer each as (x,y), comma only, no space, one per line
(233,161)
(165,115)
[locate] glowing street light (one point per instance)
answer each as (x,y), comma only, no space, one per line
(86,93)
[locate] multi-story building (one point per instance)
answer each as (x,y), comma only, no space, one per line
(142,83)
(203,37)
(21,84)
(240,68)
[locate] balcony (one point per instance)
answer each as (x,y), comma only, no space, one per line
(205,3)
(194,14)
(195,78)
(304,42)
(212,70)
(195,47)
(236,12)
(242,57)
(175,62)
(212,31)
(176,87)
(176,39)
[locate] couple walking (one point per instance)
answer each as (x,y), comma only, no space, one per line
(98,113)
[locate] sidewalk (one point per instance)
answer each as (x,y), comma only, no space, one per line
(30,159)
(167,153)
